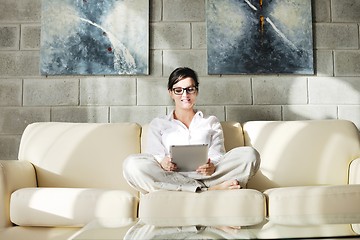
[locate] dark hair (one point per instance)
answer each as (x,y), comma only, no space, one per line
(182,73)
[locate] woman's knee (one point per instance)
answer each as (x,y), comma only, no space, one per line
(253,152)
(254,155)
(248,154)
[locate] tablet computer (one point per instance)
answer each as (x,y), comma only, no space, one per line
(189,157)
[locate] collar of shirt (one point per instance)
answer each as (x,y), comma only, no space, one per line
(198,113)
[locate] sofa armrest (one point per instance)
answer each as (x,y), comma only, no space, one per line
(354,172)
(354,178)
(14,175)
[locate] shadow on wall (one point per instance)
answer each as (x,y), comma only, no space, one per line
(330,98)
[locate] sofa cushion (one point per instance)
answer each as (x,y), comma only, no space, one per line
(314,205)
(71,154)
(221,207)
(356,228)
(354,172)
(69,206)
(233,135)
(302,153)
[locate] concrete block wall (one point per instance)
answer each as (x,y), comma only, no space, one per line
(177,38)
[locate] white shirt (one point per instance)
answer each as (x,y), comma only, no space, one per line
(166,131)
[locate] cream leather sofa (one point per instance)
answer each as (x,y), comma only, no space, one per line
(69,174)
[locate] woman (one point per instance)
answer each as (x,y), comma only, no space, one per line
(154,170)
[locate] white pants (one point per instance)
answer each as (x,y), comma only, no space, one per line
(144,172)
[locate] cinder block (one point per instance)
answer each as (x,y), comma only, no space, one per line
(10,92)
(198,36)
(253,113)
(24,63)
(170,35)
(217,111)
(9,37)
(224,90)
(152,92)
(327,90)
(184,10)
(13,120)
(280,90)
(108,91)
(351,113)
(138,114)
(30,37)
(347,63)
(195,59)
(9,147)
(155,10)
(345,11)
(306,112)
(50,92)
(336,36)
(324,63)
(321,10)
(155,62)
(80,114)
(20,10)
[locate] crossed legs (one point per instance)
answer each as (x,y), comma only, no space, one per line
(145,174)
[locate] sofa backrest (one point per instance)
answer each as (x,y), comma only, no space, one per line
(293,153)
(80,154)
(301,153)
(233,135)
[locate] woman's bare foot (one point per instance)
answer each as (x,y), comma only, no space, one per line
(227,185)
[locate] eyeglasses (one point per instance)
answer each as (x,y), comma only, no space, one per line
(180,90)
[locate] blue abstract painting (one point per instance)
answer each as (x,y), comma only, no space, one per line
(88,37)
(259,37)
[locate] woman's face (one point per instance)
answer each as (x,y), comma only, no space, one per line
(185,100)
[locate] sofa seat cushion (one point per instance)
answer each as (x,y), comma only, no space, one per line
(314,205)
(72,207)
(241,207)
(38,233)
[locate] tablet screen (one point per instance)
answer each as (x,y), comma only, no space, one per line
(189,157)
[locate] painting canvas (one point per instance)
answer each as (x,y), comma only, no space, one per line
(94,37)
(259,37)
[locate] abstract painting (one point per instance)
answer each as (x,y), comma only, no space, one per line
(259,37)
(86,37)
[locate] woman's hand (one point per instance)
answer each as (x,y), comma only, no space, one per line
(206,169)
(168,165)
